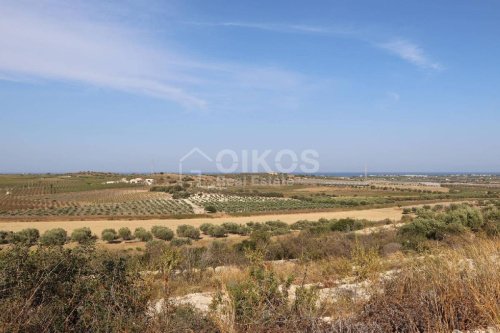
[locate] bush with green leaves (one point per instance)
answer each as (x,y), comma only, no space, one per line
(273,227)
(436,225)
(236,229)
(125,233)
(53,237)
(180,241)
(261,302)
(70,290)
(211,208)
(188,231)
(305,224)
(28,236)
(5,237)
(109,235)
(181,195)
(142,234)
(82,235)
(346,225)
(205,227)
(217,231)
(162,233)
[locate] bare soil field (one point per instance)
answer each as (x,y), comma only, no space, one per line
(377,214)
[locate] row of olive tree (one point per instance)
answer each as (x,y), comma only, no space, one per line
(59,236)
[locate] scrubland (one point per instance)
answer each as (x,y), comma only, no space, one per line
(434,270)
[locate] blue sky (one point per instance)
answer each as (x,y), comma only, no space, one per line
(134,85)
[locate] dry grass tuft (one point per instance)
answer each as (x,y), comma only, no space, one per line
(457,289)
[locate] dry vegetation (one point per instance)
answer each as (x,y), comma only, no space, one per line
(435,273)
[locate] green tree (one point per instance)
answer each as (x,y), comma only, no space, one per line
(188,231)
(27,236)
(53,237)
(163,233)
(82,235)
(217,231)
(142,234)
(109,235)
(125,233)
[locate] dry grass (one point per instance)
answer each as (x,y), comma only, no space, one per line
(454,289)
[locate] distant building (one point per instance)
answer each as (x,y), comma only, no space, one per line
(136,181)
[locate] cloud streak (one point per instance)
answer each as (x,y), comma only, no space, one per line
(47,44)
(284,28)
(411,53)
(402,48)
(36,45)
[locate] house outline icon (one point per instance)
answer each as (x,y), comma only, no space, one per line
(193,151)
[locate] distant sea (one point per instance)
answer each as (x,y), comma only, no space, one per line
(382,174)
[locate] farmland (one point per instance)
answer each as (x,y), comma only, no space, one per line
(100,195)
(393,213)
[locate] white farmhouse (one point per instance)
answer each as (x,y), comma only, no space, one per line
(136,181)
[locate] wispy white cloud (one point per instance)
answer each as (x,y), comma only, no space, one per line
(411,53)
(285,28)
(401,48)
(41,45)
(46,43)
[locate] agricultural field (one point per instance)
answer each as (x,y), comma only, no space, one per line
(248,204)
(101,195)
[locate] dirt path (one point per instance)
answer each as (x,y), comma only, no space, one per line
(393,213)
(196,209)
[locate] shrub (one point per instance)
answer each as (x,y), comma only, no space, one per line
(261,302)
(181,195)
(82,235)
(27,236)
(185,318)
(231,227)
(346,225)
(302,225)
(125,233)
(273,227)
(465,215)
(205,227)
(109,235)
(142,234)
(188,231)
(259,239)
(52,237)
(180,241)
(211,209)
(5,237)
(366,261)
(217,231)
(161,232)
(62,290)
